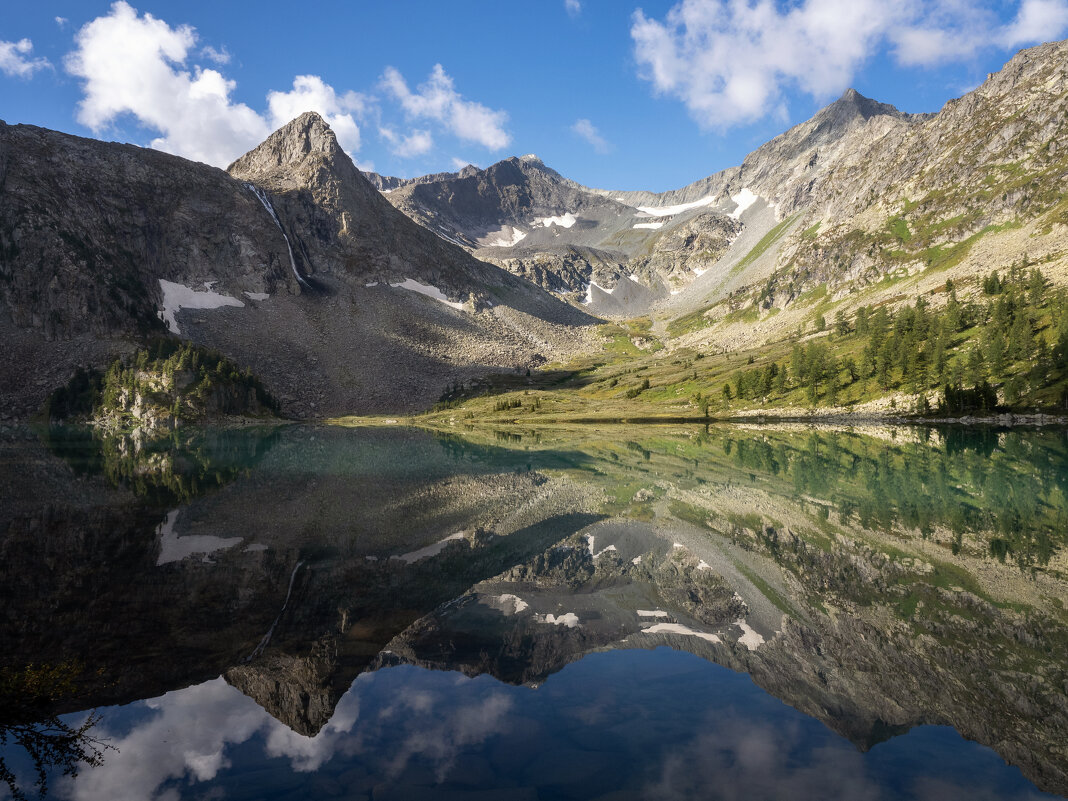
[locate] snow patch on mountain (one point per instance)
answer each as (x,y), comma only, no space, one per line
(569,619)
(652,225)
(668,211)
(430,291)
(678,628)
(750,638)
(564,221)
(517,237)
(743,200)
(179,296)
(428,551)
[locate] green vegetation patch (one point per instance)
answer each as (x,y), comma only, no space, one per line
(688,323)
(761,247)
(166,383)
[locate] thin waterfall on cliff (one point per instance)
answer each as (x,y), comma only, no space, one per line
(266,201)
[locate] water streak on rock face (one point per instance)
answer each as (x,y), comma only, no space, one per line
(266,201)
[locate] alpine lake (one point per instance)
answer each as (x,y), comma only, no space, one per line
(603,612)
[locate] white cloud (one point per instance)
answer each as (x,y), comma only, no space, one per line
(728,60)
(416,143)
(135,65)
(61,21)
(573,7)
(140,65)
(1037,21)
(459,163)
(186,738)
(218,56)
(437,99)
(943,32)
(732,61)
(15,59)
(588,131)
(311,93)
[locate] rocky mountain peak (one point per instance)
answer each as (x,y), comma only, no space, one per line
(294,154)
(851,109)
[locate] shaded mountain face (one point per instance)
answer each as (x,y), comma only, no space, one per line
(291,264)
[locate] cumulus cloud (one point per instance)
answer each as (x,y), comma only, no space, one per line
(945,31)
(133,64)
(441,737)
(221,56)
(731,61)
(438,100)
(311,93)
(16,61)
(588,131)
(139,65)
(728,59)
(459,163)
(416,143)
(1037,21)
(573,7)
(186,738)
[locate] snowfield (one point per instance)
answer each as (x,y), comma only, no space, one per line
(743,200)
(425,289)
(517,237)
(179,296)
(565,221)
(668,211)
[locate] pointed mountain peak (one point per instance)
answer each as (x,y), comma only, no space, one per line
(304,142)
(853,104)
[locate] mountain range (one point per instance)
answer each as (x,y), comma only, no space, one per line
(353,292)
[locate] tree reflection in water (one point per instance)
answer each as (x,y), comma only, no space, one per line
(51,744)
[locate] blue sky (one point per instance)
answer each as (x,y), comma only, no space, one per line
(613,94)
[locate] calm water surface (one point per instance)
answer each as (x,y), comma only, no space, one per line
(312,612)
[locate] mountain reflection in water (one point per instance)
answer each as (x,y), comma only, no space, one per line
(667,612)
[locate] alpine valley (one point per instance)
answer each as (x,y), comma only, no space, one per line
(320,483)
(352,293)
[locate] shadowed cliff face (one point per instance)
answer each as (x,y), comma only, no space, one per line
(876,583)
(101,242)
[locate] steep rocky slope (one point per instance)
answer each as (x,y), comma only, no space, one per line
(527,218)
(292,265)
(860,194)
(785,170)
(901,204)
